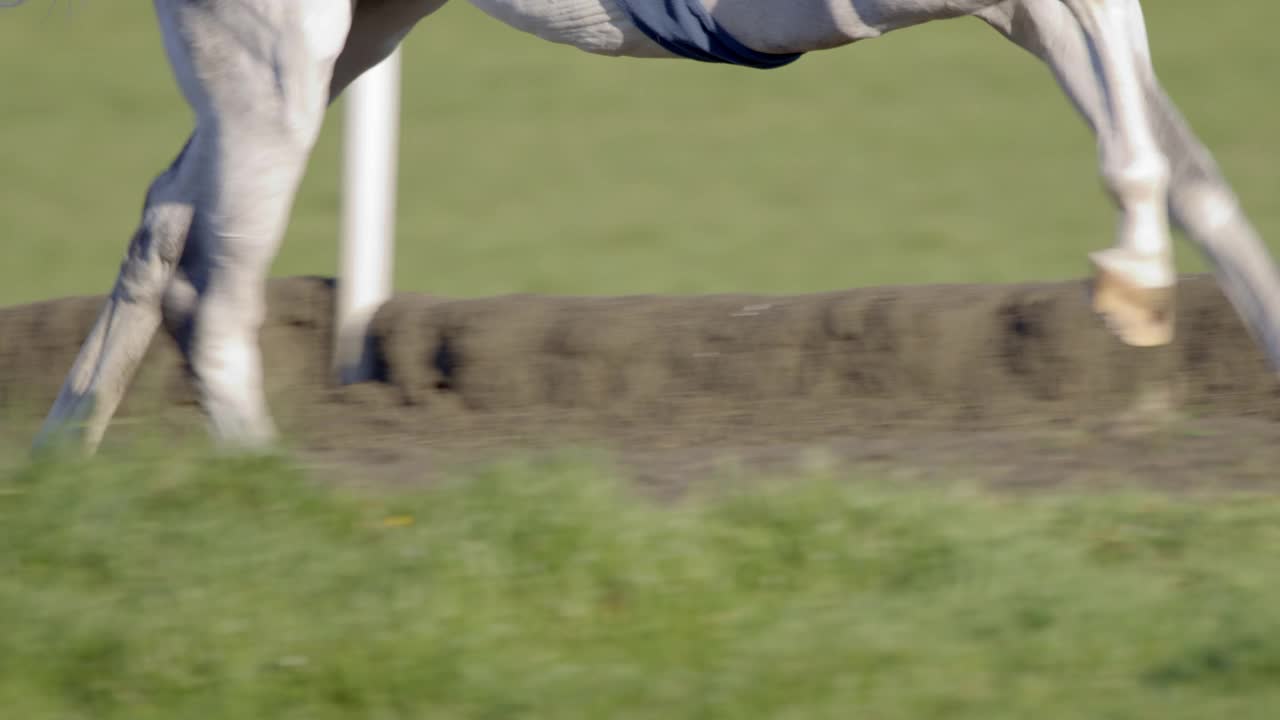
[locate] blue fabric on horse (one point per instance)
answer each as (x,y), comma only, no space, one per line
(685,28)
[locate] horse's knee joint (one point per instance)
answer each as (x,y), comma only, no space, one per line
(166,229)
(153,255)
(1206,209)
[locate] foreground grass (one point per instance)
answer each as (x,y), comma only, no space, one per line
(179,588)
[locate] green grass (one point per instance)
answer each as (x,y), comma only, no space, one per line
(533,167)
(173,588)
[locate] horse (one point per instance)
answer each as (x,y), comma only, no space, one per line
(259,74)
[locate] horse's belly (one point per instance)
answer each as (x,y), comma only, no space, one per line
(596,26)
(793,26)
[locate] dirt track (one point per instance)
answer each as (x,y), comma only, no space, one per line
(1014,384)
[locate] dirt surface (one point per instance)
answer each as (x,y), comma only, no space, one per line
(1017,385)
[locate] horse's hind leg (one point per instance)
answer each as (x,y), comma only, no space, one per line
(110,356)
(1203,204)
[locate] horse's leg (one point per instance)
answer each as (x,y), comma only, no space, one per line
(257,74)
(1200,199)
(1203,204)
(376,30)
(115,346)
(1134,282)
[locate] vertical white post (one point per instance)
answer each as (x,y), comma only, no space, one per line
(370,152)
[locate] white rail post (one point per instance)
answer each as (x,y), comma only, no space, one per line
(370,149)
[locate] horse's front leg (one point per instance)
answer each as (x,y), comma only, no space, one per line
(1200,200)
(375,31)
(1098,59)
(257,74)
(1133,288)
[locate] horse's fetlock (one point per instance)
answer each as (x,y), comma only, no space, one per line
(1145,178)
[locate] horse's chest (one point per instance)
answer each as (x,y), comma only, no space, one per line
(597,26)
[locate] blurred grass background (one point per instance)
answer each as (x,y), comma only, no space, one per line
(942,153)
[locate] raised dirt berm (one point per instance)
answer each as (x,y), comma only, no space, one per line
(693,369)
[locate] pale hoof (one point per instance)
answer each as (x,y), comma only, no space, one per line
(1134,296)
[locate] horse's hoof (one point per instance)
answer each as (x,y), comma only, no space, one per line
(1134,296)
(67,431)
